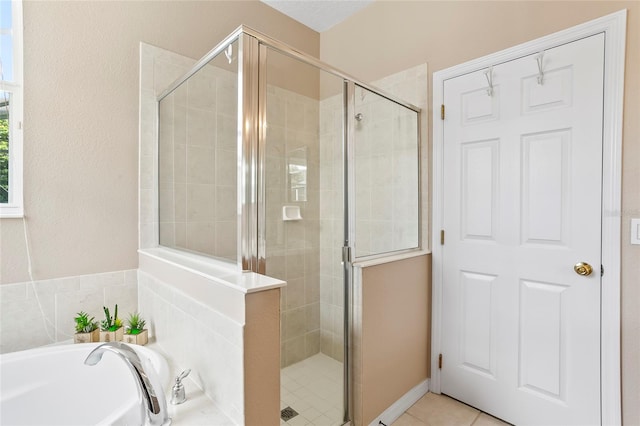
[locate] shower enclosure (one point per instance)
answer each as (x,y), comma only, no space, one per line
(276,162)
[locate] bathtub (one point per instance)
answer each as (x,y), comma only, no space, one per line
(53,386)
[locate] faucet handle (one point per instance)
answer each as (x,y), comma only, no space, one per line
(178,395)
(183,375)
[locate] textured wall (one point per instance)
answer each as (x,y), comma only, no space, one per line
(81,121)
(390,357)
(393,35)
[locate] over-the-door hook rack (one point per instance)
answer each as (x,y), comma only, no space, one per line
(539,59)
(489,76)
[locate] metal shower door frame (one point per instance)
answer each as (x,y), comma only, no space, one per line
(260,211)
(252,120)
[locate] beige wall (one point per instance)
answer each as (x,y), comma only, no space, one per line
(393,349)
(389,36)
(81,121)
(262,358)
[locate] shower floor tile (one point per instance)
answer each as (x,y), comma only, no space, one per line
(313,388)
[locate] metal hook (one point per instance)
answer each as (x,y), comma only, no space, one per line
(229,53)
(489,76)
(539,60)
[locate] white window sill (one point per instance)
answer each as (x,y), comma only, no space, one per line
(9,211)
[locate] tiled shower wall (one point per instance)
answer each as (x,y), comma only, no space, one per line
(332,228)
(293,246)
(212,346)
(197,164)
(158,69)
(41,312)
(386,174)
(411,85)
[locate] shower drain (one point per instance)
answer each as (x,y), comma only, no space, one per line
(288,413)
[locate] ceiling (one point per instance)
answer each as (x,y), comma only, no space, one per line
(319,15)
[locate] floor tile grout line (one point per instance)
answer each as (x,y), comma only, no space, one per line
(476,418)
(411,415)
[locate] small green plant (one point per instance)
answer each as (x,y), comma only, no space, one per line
(135,324)
(84,324)
(110,323)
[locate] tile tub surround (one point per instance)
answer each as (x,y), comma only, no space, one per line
(221,323)
(41,312)
(198,409)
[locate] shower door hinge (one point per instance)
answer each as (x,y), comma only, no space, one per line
(440,362)
(442,112)
(346,254)
(442,237)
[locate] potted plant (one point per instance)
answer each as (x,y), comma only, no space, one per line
(135,331)
(86,329)
(111,327)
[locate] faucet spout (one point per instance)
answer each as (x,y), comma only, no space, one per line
(152,396)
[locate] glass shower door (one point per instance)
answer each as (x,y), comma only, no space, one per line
(301,221)
(386,178)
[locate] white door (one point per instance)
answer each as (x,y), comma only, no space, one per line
(522,202)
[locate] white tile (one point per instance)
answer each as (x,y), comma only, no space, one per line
(298,421)
(334,413)
(300,405)
(325,421)
(320,393)
(311,413)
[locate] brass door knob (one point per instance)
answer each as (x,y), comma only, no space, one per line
(583,268)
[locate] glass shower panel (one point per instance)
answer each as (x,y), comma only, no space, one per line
(198,161)
(386,175)
(304,231)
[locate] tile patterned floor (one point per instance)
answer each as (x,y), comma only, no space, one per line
(313,388)
(440,410)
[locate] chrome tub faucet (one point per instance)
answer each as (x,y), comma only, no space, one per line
(155,405)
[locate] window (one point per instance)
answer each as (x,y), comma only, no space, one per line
(11,109)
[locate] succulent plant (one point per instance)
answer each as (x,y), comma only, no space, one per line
(84,324)
(135,324)
(110,323)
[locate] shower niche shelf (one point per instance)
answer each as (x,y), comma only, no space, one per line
(291,213)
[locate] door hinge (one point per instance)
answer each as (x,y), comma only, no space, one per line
(346,254)
(442,112)
(440,362)
(601,270)
(442,237)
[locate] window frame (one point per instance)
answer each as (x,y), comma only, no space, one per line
(15,207)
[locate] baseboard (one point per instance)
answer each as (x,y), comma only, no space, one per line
(398,408)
